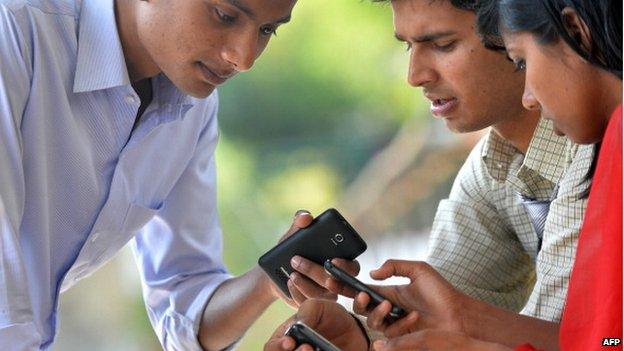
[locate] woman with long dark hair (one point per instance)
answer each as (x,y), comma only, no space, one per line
(571,51)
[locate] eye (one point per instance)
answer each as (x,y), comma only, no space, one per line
(268,30)
(444,47)
(520,65)
(225,18)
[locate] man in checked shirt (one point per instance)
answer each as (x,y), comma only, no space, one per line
(507,232)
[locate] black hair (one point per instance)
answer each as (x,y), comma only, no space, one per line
(544,20)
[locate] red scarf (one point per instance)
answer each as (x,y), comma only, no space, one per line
(592,318)
(593,312)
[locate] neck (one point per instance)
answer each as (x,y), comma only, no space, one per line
(138,61)
(519,129)
(611,93)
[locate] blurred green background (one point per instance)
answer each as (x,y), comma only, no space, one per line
(324,119)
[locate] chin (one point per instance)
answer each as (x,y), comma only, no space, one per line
(194,87)
(456,126)
(198,91)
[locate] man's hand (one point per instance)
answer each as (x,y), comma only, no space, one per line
(327,318)
(432,302)
(309,279)
(436,340)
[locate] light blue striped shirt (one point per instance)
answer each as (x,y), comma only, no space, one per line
(76,184)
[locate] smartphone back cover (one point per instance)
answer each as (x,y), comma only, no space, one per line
(328,236)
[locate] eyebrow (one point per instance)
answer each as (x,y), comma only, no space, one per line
(426,37)
(246,10)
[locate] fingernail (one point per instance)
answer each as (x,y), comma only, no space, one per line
(295,262)
(300,212)
(294,277)
(379,344)
(286,344)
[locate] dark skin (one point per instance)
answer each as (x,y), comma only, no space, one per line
(329,319)
(440,318)
(438,305)
(198,45)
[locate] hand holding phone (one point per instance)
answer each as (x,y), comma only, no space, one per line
(302,334)
(376,298)
(328,236)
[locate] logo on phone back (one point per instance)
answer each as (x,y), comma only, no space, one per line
(337,239)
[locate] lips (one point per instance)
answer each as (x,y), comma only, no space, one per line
(440,107)
(212,76)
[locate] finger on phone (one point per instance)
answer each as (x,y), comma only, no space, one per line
(405,325)
(360,304)
(309,288)
(377,316)
(296,295)
(284,343)
(339,288)
(311,269)
(302,219)
(351,267)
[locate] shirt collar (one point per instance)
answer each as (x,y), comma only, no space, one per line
(542,167)
(548,153)
(497,154)
(100,63)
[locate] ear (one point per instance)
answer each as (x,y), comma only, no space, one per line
(577,28)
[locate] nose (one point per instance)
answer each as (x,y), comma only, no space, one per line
(420,73)
(529,101)
(241,51)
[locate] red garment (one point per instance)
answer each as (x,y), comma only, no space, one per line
(593,311)
(525,347)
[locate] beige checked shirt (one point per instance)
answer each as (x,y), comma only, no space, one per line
(482,239)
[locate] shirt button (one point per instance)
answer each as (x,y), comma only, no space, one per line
(131,99)
(94,237)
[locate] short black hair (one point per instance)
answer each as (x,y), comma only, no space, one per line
(543,19)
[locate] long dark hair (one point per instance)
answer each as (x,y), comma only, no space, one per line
(543,19)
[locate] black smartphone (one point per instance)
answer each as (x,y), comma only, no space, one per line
(306,335)
(328,236)
(376,298)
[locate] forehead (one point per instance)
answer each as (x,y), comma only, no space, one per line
(263,8)
(417,17)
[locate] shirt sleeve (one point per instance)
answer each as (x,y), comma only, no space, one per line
(561,233)
(473,246)
(18,330)
(179,252)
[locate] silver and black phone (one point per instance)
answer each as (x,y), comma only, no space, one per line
(302,334)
